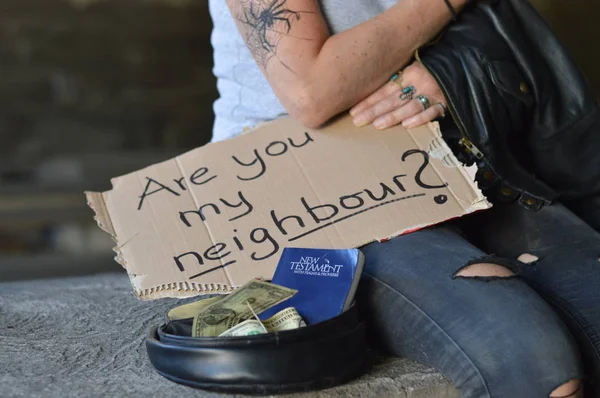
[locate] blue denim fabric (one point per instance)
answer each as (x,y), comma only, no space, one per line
(567,274)
(491,337)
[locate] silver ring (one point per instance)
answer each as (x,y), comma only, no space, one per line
(424,101)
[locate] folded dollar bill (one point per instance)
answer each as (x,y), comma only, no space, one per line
(249,327)
(286,319)
(191,310)
(252,298)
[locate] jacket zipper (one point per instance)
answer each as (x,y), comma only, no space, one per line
(465,141)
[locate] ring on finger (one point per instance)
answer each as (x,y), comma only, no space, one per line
(424,101)
(407,93)
(397,79)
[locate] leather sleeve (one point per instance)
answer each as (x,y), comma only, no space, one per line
(517,96)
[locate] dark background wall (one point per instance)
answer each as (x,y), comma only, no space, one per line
(90,89)
(576,23)
(98,76)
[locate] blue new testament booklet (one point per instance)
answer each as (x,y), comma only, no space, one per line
(326,281)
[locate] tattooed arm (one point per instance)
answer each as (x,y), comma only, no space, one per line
(316,75)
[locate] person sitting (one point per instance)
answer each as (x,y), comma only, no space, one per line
(497,327)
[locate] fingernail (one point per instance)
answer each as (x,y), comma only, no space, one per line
(352,112)
(379,124)
(359,121)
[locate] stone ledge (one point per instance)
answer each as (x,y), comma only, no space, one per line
(83,336)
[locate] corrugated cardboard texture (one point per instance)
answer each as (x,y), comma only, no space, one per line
(215,217)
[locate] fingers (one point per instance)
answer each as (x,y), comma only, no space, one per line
(410,109)
(410,115)
(382,107)
(426,116)
(386,91)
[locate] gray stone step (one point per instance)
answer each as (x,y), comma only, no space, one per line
(59,339)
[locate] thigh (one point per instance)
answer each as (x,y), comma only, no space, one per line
(567,272)
(491,337)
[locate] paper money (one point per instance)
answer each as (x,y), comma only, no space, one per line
(286,319)
(250,327)
(190,310)
(233,308)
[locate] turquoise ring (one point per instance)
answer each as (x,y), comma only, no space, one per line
(397,79)
(407,93)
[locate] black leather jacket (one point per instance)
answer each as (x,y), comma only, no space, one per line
(521,107)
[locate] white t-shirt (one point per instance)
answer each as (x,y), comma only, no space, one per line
(245,97)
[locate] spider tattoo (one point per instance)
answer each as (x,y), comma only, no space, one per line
(268,21)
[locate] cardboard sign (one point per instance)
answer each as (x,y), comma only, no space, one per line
(217,216)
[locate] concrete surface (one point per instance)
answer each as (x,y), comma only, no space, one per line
(84,337)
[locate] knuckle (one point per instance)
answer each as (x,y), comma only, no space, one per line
(388,118)
(379,108)
(421,118)
(416,106)
(391,102)
(401,114)
(366,114)
(394,89)
(385,106)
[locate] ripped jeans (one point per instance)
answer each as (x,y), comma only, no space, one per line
(508,337)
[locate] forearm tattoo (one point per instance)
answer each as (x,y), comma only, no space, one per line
(266,22)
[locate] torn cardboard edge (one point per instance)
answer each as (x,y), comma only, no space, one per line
(95,201)
(436,147)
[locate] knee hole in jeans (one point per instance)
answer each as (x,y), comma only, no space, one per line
(484,270)
(570,389)
(527,258)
